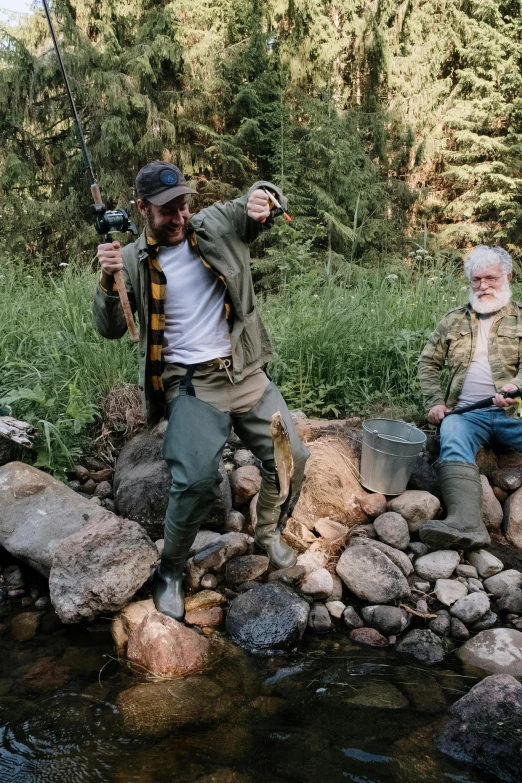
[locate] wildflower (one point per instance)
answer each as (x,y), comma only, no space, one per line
(63,264)
(392,277)
(28,277)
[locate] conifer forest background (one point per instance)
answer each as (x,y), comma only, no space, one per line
(394,128)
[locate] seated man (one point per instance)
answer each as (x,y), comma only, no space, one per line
(482,344)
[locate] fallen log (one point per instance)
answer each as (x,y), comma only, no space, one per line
(18,431)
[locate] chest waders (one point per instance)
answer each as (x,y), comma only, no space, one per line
(193,443)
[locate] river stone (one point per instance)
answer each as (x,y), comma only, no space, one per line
(246,568)
(319,619)
(337,592)
(416,506)
(437,565)
(214,556)
(205,599)
(311,561)
(378,695)
(475,585)
(351,619)
(495,651)
(423,644)
(330,530)
(485,563)
(318,584)
(498,584)
(508,479)
(243,458)
(373,505)
(292,576)
(485,728)
(440,625)
(37,512)
(486,622)
(166,648)
(236,522)
(458,630)
(100,567)
(449,590)
(268,617)
(368,636)
(24,626)
(335,609)
(467,571)
(492,512)
(371,575)
(388,620)
(392,529)
(204,538)
(513,518)
(245,483)
(417,548)
(471,608)
(510,602)
(400,559)
(205,618)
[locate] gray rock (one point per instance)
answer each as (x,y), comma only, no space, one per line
(475,585)
(437,565)
(268,617)
(471,608)
(235,523)
(388,620)
(492,512)
(488,621)
(103,490)
(416,506)
(245,483)
(424,587)
(243,458)
(379,695)
(458,630)
(400,559)
(246,568)
(99,568)
(351,619)
(311,561)
(495,651)
(203,539)
(485,563)
(440,625)
(513,518)
(498,584)
(371,575)
(418,548)
(467,571)
(508,479)
(485,728)
(337,592)
(423,477)
(319,619)
(335,609)
(510,601)
(214,556)
(423,644)
(13,577)
(292,576)
(392,529)
(449,590)
(37,512)
(366,531)
(318,584)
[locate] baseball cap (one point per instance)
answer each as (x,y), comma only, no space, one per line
(160,182)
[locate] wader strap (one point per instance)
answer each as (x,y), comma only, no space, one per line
(185,385)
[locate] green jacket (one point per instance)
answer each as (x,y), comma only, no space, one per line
(455,339)
(224,232)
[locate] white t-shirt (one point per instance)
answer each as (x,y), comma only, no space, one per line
(478,383)
(196,329)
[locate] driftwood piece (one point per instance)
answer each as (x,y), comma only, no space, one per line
(18,431)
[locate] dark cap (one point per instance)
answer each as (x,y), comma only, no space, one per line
(159,182)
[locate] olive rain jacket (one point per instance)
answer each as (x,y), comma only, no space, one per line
(455,339)
(223,232)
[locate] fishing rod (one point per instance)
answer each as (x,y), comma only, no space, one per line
(485,403)
(105,220)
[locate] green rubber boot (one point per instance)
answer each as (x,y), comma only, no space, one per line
(169,597)
(463,527)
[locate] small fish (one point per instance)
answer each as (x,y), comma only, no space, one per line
(282,454)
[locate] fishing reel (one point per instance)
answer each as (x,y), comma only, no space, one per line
(106,221)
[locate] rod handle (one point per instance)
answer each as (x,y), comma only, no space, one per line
(96,195)
(127,312)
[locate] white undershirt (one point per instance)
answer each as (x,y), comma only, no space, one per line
(196,329)
(478,383)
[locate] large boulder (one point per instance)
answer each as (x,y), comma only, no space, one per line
(485,728)
(331,489)
(513,518)
(268,617)
(416,506)
(100,567)
(494,651)
(371,575)
(37,512)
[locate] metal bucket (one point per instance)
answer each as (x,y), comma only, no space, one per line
(389,451)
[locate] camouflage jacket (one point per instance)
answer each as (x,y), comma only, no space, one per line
(455,339)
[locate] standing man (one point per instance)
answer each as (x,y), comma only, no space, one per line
(202,353)
(482,343)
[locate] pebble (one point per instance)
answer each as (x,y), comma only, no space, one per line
(235,522)
(368,636)
(510,601)
(488,621)
(468,571)
(43,602)
(208,582)
(440,625)
(16,593)
(471,608)
(475,585)
(422,606)
(424,587)
(485,563)
(449,590)
(319,619)
(392,529)
(418,548)
(13,577)
(437,565)
(458,630)
(386,619)
(103,490)
(351,618)
(423,644)
(243,458)
(335,608)
(318,584)
(498,584)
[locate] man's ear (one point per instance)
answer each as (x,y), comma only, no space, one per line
(142,207)
(509,277)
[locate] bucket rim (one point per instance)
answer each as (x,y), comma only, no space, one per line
(388,436)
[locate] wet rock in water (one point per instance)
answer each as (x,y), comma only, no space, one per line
(467,571)
(351,619)
(388,620)
(36,513)
(156,708)
(103,490)
(24,626)
(510,601)
(205,618)
(418,548)
(292,576)
(471,608)
(225,775)
(368,636)
(440,625)
(485,563)
(165,647)
(319,619)
(205,599)
(235,523)
(246,568)
(373,505)
(423,477)
(244,458)
(268,617)
(335,609)
(508,479)
(449,590)
(488,621)
(46,674)
(245,483)
(371,575)
(485,728)
(318,584)
(415,759)
(379,695)
(423,644)
(492,512)
(331,531)
(513,518)
(392,529)
(500,583)
(458,630)
(495,651)
(416,506)
(437,565)
(99,568)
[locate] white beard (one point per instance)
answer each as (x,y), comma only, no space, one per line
(486,306)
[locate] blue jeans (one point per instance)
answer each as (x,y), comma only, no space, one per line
(462,435)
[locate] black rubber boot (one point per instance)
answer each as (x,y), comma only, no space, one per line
(463,527)
(169,597)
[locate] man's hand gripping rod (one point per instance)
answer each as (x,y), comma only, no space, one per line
(105,220)
(486,403)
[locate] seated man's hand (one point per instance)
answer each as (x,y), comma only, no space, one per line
(109,256)
(258,207)
(500,401)
(437,413)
